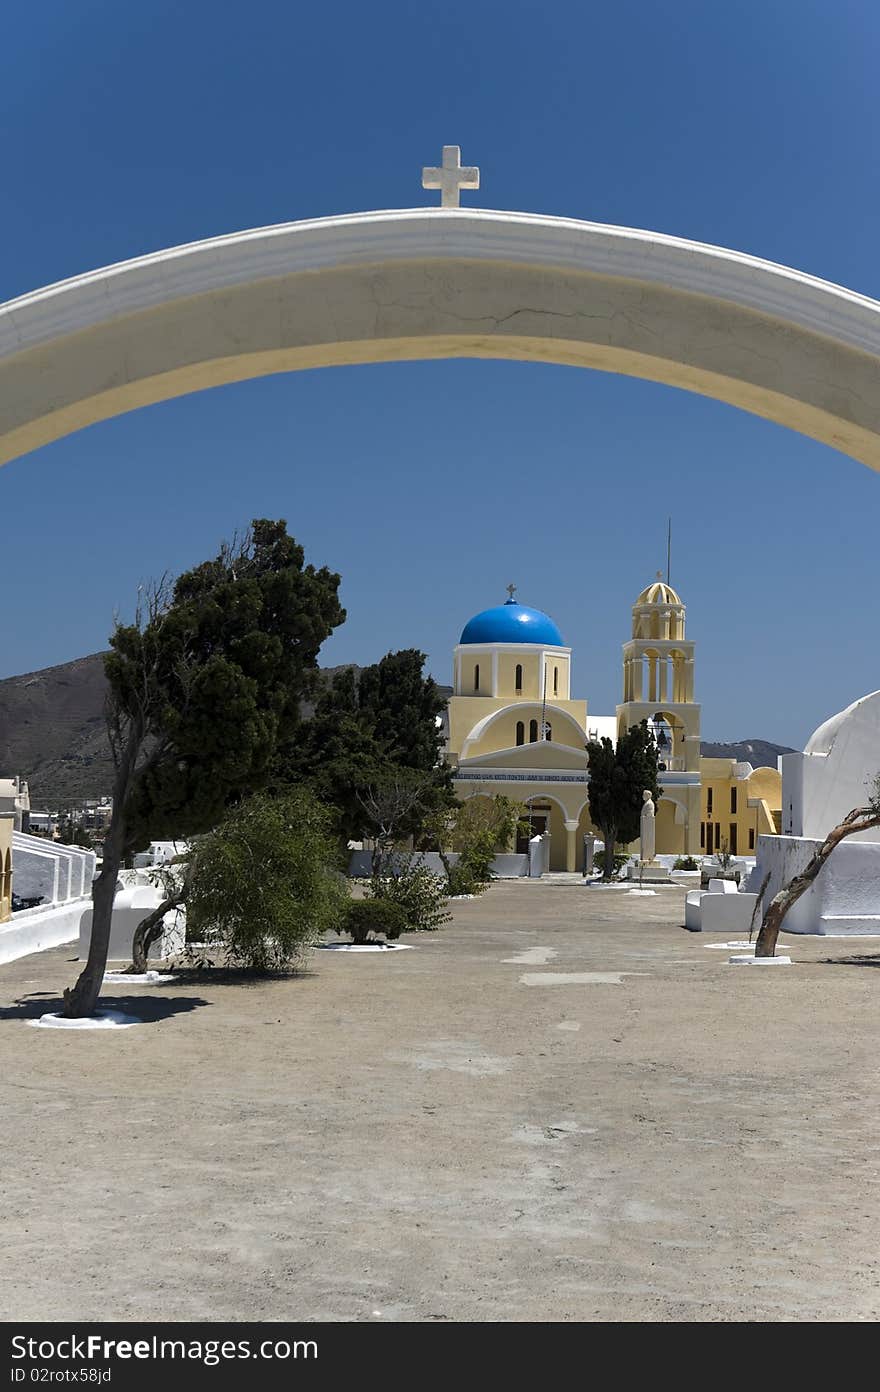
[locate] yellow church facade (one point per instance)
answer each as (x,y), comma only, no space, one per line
(514,728)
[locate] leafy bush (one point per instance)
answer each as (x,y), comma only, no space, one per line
(420,895)
(685,863)
(464,878)
(264,883)
(620,859)
(376,916)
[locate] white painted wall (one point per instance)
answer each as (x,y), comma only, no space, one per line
(131,905)
(50,870)
(35,930)
(509,866)
(833,775)
(845,897)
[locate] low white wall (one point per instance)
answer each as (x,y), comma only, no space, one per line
(508,866)
(35,930)
(845,896)
(130,907)
(49,870)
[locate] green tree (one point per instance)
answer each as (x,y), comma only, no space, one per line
(373,731)
(203,687)
(618,777)
(477,829)
(265,884)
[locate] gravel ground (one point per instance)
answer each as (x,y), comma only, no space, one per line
(560,1107)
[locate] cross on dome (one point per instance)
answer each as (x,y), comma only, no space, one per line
(511,590)
(451,177)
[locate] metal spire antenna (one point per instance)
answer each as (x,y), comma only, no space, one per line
(669,551)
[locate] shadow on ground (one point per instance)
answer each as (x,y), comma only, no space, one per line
(147,1008)
(861,961)
(233,976)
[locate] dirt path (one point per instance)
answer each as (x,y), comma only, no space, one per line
(449,1134)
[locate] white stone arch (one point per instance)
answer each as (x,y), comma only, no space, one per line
(525,710)
(440,283)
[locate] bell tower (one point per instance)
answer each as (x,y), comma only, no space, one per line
(658,686)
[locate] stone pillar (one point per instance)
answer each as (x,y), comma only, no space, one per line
(570,846)
(638,664)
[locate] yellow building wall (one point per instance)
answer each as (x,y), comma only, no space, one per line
(504,664)
(467,711)
(5,868)
(757,811)
(480,659)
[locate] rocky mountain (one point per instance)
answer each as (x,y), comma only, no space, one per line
(758,753)
(52,731)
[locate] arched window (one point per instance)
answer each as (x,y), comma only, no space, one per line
(477,677)
(548,730)
(520,732)
(519,676)
(555,681)
(533,731)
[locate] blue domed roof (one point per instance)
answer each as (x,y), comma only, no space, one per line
(512,623)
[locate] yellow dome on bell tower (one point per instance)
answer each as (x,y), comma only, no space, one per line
(658,612)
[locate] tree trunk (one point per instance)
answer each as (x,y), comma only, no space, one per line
(80,999)
(444,860)
(609,835)
(860,819)
(149,930)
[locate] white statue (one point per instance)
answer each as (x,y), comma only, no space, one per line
(647,839)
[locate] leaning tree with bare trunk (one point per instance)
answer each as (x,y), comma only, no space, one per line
(203,688)
(860,819)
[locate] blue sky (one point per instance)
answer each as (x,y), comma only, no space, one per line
(753,125)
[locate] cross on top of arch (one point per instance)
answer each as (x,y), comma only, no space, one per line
(451,177)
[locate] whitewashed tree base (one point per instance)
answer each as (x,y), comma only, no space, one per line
(149,978)
(743,945)
(102,1019)
(363,947)
(641,891)
(749,961)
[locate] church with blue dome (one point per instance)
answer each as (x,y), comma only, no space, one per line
(514,728)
